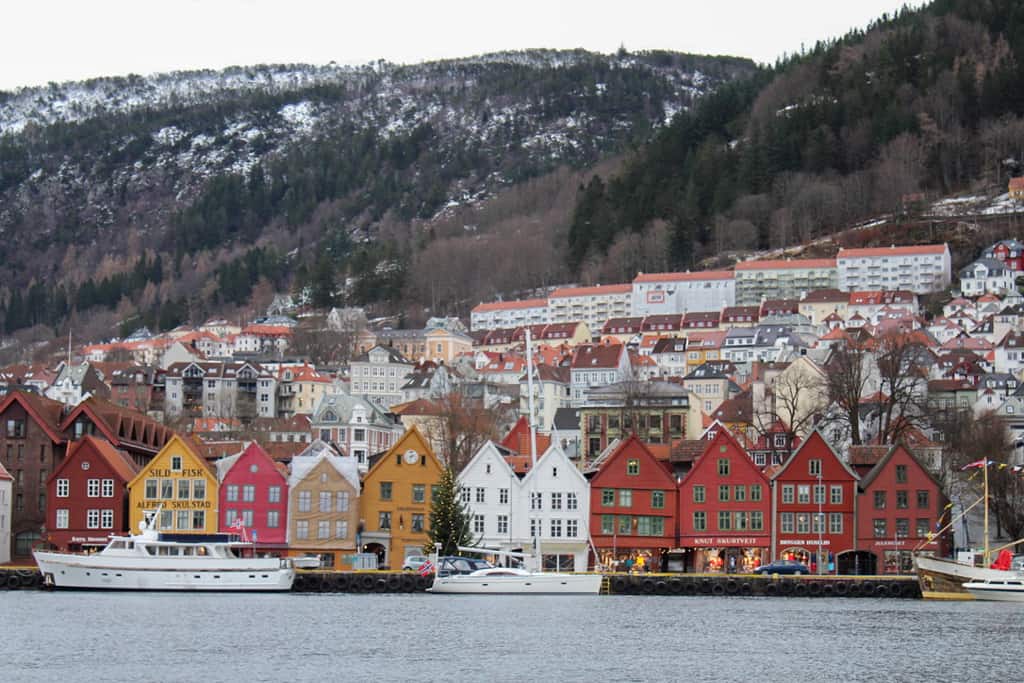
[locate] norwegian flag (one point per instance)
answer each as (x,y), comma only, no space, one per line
(426,568)
(977,463)
(238,524)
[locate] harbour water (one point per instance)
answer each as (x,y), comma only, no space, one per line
(70,637)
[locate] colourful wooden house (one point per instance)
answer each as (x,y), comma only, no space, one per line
(88,495)
(633,507)
(814,495)
(724,510)
(254,496)
(182,485)
(397,493)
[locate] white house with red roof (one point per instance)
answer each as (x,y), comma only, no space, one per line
(921,269)
(871,303)
(596,365)
(6,503)
(508,314)
(662,293)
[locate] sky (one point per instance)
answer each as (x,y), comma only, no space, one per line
(61,40)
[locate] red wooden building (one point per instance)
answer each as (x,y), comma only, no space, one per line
(254,488)
(137,434)
(814,496)
(899,510)
(724,510)
(88,495)
(633,506)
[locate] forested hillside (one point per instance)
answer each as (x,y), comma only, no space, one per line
(928,102)
(172,197)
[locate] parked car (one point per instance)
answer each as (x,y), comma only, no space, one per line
(1018,563)
(783,567)
(414,562)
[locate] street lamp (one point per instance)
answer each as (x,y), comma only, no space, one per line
(819,493)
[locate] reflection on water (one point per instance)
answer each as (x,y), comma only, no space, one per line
(71,637)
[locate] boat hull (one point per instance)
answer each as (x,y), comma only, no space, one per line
(67,571)
(548,584)
(943,579)
(995,592)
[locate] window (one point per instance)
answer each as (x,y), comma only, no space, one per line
(814,467)
(879,500)
(384,521)
(901,474)
(741,521)
(464,494)
(819,493)
(323,529)
(556,501)
(229,517)
(478,524)
(755,492)
(902,527)
(359,435)
(175,463)
(536,500)
(231,493)
(341,529)
(106,519)
(305,501)
(481,494)
(787,493)
(757,520)
(803,493)
(723,493)
(63,487)
(902,501)
(571,502)
(503,524)
(199,519)
(657,500)
(633,467)
(92,519)
(724,520)
(62,519)
(273,494)
(556,528)
(698,494)
(92,488)
(16,429)
(572,528)
(273,519)
(503,496)
(419,493)
(108,489)
(608,524)
(723,467)
(184,487)
(249,493)
(325,501)
(385,491)
(922,500)
(700,520)
(835,494)
(786,522)
(167,489)
(626,498)
(835,522)
(817,523)
(803,523)
(607,497)
(302,529)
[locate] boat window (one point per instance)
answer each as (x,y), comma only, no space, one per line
(117,545)
(187,550)
(151,550)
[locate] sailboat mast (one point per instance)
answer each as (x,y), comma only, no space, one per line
(533,443)
(986,511)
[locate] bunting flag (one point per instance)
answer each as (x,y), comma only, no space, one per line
(948,505)
(976,463)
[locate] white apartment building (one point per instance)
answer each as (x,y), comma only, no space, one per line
(663,293)
(509,314)
(379,374)
(919,269)
(233,389)
(782,279)
(592,305)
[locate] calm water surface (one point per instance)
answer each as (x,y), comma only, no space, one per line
(70,637)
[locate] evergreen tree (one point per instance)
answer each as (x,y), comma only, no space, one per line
(449,520)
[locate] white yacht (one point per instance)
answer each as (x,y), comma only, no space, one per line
(510,580)
(156,561)
(1004,590)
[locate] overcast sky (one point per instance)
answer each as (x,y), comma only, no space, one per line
(60,40)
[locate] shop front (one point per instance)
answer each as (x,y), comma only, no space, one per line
(720,554)
(818,555)
(633,560)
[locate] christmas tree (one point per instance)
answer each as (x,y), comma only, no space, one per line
(449,520)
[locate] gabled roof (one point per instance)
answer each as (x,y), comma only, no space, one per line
(45,412)
(117,460)
(814,437)
(597,356)
(877,469)
(308,459)
(825,296)
(120,425)
(518,438)
(554,453)
(252,450)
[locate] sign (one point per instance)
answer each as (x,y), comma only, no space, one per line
(655,297)
(716,541)
(89,539)
(793,541)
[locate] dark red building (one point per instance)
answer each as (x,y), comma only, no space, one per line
(135,433)
(88,495)
(814,496)
(724,510)
(254,489)
(633,507)
(900,509)
(31,446)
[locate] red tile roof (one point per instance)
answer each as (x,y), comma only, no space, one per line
(685,277)
(919,249)
(596,290)
(787,264)
(597,356)
(510,305)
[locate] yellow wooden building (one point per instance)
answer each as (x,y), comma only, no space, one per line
(182,485)
(395,504)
